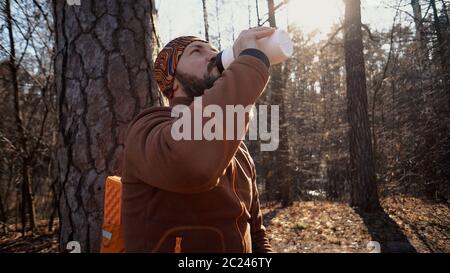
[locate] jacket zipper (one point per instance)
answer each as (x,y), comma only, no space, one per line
(240,203)
(178,244)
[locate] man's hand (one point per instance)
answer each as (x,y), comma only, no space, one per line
(248,39)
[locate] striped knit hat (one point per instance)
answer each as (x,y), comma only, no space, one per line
(167,60)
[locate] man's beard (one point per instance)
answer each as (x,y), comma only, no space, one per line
(195,87)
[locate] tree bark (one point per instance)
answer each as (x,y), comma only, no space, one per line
(103,79)
(258,18)
(421,41)
(281,181)
(443,50)
(3,216)
(364,194)
(417,12)
(219,38)
(205,20)
(420,34)
(446,12)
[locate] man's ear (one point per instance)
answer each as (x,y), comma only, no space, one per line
(178,89)
(176,85)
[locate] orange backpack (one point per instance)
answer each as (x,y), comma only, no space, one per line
(112,237)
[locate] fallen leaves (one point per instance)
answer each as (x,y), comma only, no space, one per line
(41,240)
(335,227)
(316,227)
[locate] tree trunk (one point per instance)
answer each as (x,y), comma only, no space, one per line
(249,8)
(421,41)
(219,38)
(54,206)
(3,216)
(205,20)
(364,194)
(27,199)
(27,195)
(417,12)
(443,50)
(446,12)
(258,18)
(103,79)
(281,181)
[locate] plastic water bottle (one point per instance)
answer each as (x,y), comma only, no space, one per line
(278,47)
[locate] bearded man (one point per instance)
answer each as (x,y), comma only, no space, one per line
(195,195)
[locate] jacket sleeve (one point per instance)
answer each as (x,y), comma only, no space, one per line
(192,166)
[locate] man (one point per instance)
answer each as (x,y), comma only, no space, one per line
(195,195)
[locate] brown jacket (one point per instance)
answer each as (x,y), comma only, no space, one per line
(194,196)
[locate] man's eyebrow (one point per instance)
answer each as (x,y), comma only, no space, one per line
(195,46)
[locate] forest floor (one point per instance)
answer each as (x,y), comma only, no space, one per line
(406,225)
(41,241)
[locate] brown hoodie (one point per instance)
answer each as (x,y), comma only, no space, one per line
(194,195)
